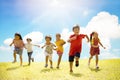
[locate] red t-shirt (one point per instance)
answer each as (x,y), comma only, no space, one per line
(76,44)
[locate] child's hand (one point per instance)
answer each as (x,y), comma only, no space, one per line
(104,47)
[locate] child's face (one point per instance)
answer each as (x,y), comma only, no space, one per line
(17,37)
(28,41)
(47,39)
(57,37)
(76,30)
(95,35)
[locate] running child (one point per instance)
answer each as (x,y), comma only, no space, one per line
(75,41)
(18,47)
(49,47)
(29,46)
(94,50)
(59,43)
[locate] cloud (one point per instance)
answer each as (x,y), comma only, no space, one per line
(8,41)
(5,48)
(105,24)
(36,37)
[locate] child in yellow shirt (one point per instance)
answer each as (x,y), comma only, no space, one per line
(59,43)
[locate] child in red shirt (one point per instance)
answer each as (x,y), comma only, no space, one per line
(75,41)
(94,50)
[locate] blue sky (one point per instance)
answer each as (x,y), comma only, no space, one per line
(37,18)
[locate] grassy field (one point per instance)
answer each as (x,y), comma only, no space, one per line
(109,70)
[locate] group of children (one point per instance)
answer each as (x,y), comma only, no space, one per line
(75,41)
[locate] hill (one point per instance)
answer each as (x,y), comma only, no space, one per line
(109,70)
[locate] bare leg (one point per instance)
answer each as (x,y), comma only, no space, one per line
(89,60)
(14,56)
(77,61)
(51,64)
(20,60)
(46,60)
(59,60)
(97,61)
(71,66)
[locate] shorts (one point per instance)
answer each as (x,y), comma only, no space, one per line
(49,55)
(18,51)
(71,58)
(59,53)
(30,54)
(94,51)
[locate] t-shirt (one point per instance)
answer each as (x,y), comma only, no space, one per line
(49,48)
(76,44)
(29,47)
(18,43)
(59,45)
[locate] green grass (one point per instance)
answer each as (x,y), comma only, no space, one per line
(109,70)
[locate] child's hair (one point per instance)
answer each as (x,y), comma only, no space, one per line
(17,34)
(48,36)
(75,26)
(58,35)
(91,35)
(29,39)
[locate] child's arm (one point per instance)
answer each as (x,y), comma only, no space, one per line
(87,38)
(36,45)
(72,38)
(43,46)
(102,45)
(12,43)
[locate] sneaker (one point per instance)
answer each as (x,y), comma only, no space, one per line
(57,67)
(77,63)
(14,61)
(32,59)
(51,67)
(46,65)
(97,67)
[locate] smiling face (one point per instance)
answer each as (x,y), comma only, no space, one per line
(58,36)
(76,30)
(17,37)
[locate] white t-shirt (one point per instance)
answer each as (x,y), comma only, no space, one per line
(29,47)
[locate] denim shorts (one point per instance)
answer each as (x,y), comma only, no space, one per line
(71,58)
(18,51)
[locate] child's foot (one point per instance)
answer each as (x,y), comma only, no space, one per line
(32,59)
(97,67)
(57,67)
(77,63)
(29,64)
(71,71)
(14,61)
(51,67)
(46,65)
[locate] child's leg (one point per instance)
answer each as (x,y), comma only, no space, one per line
(46,61)
(51,63)
(71,66)
(59,60)
(20,60)
(71,59)
(29,58)
(90,59)
(97,60)
(77,59)
(14,56)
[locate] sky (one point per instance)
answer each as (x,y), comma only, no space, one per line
(37,18)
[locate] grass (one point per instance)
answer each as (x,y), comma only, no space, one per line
(109,70)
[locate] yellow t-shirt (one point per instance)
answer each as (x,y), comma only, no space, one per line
(59,45)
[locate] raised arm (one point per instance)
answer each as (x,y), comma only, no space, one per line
(43,46)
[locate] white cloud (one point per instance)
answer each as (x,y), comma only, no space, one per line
(5,48)
(36,37)
(8,41)
(105,24)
